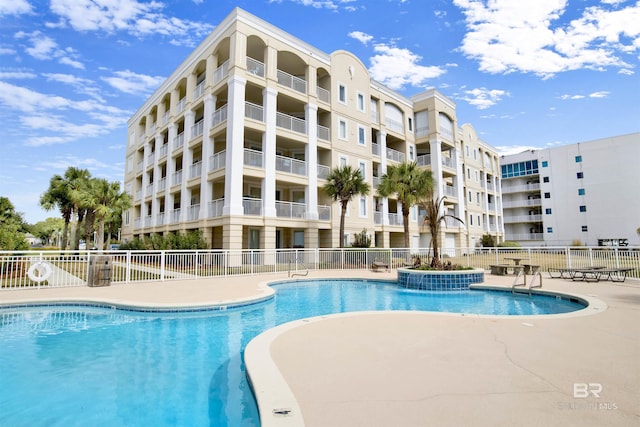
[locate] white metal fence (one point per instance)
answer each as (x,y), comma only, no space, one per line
(65,268)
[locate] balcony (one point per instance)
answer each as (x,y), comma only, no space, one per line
(376,181)
(181,104)
(377,218)
(451,191)
(176,178)
(197,129)
(395,155)
(394,125)
(323,171)
(162,151)
(291,123)
(375,149)
(149,190)
(219,116)
(165,117)
(422,131)
(449,162)
(218,160)
(193,213)
(178,141)
(324,213)
(253,158)
(324,133)
(252,206)
(424,160)
(221,72)
(523,218)
(255,67)
(215,208)
(162,184)
(291,210)
(160,218)
(175,215)
(323,94)
(195,170)
(291,165)
(395,219)
(254,111)
(524,188)
(199,90)
(138,195)
(293,82)
(529,236)
(521,203)
(147,221)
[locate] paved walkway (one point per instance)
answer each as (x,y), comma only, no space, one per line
(423,369)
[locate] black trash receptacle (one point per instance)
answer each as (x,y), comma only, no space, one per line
(99,271)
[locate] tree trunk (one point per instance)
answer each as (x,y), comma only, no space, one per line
(343,213)
(405,222)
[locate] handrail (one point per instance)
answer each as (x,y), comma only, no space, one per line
(522,273)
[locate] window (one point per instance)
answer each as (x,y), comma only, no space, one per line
(470,219)
(583,208)
(477,198)
(363,206)
(470,199)
(362,139)
(342,129)
(362,165)
(578,159)
(345,240)
(545,163)
(343,162)
(476,175)
(342,93)
(585,228)
(547,195)
(467,147)
(479,223)
(412,155)
(545,179)
(468,173)
(519,169)
(580,191)
(360,102)
(410,124)
(580,175)
(549,229)
(547,211)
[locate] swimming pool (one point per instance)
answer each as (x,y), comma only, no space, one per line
(84,365)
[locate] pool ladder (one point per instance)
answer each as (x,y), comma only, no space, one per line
(532,284)
(302,272)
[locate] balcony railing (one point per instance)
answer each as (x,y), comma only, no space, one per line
(163,150)
(449,162)
(323,171)
(197,129)
(162,184)
(290,210)
(377,218)
(293,82)
(219,116)
(253,158)
(199,90)
(292,123)
(215,208)
(193,213)
(424,160)
(254,111)
(422,131)
(374,116)
(252,206)
(394,125)
(290,165)
(523,202)
(523,218)
(221,72)
(395,155)
(525,188)
(324,213)
(324,133)
(176,178)
(323,94)
(375,149)
(178,141)
(395,219)
(181,104)
(175,215)
(195,170)
(255,67)
(376,181)
(526,236)
(138,195)
(450,191)
(160,218)
(165,117)
(149,190)
(218,160)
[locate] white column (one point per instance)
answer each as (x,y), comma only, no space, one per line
(381,139)
(155,208)
(269,101)
(235,147)
(311,158)
(207,151)
(171,169)
(187,158)
(435,147)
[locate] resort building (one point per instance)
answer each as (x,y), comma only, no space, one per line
(239,140)
(584,193)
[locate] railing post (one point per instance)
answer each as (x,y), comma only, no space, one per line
(127,266)
(162,265)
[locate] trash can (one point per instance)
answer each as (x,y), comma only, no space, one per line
(99,271)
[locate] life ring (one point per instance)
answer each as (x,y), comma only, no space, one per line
(39,271)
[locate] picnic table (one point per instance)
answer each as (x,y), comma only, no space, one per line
(516,260)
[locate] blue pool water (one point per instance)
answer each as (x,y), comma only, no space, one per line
(79,365)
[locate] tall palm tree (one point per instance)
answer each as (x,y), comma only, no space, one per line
(410,184)
(105,199)
(57,195)
(434,217)
(77,182)
(343,183)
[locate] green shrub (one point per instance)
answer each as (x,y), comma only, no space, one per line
(509,244)
(361,240)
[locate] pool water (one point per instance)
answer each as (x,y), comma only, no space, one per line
(80,365)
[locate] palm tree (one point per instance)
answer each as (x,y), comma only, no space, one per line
(411,184)
(434,217)
(104,199)
(343,183)
(77,182)
(57,195)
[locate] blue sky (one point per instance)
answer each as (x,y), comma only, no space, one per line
(525,74)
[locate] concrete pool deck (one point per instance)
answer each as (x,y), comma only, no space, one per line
(418,369)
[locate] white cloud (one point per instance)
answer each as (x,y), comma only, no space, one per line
(506,150)
(45,48)
(133,83)
(84,86)
(14,7)
(363,38)
(600,94)
(16,74)
(396,67)
(7,51)
(505,36)
(567,96)
(483,98)
(132,16)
